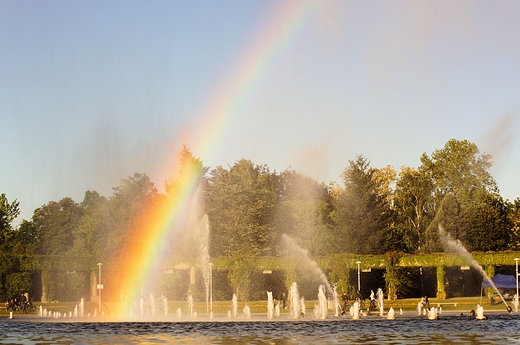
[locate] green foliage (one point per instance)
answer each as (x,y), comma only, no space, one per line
(363,211)
(413,205)
(16,254)
(249,208)
(240,205)
(441,281)
(491,228)
(240,275)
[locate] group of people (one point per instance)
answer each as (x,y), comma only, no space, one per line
(21,304)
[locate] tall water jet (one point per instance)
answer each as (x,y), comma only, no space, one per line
(82,307)
(335,301)
(322,303)
(455,246)
(190,306)
(247,312)
(270,305)
(294,299)
(380,300)
(203,235)
(164,301)
(305,260)
(152,306)
(234,305)
(355,311)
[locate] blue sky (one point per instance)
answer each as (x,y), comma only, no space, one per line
(94,91)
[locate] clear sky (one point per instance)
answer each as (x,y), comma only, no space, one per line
(94,91)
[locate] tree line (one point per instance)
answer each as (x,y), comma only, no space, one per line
(249,207)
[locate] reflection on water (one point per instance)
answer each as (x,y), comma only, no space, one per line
(446,330)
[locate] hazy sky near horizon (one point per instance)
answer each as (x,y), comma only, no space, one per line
(94,91)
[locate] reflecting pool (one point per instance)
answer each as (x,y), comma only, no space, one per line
(448,329)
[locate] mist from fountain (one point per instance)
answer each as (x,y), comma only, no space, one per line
(455,246)
(203,236)
(305,260)
(164,302)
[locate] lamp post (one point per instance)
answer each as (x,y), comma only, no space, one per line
(210,287)
(516,296)
(100,286)
(358,276)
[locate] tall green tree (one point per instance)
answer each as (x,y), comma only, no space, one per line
(460,171)
(14,273)
(240,203)
(54,225)
(452,217)
(492,225)
(363,210)
(89,237)
(413,205)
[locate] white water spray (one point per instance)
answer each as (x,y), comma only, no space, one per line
(303,255)
(455,246)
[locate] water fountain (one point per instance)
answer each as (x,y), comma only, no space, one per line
(302,306)
(82,307)
(457,247)
(294,299)
(305,261)
(277,309)
(270,305)
(391,314)
(335,301)
(355,311)
(321,310)
(480,313)
(164,301)
(380,300)
(432,314)
(247,312)
(190,306)
(234,305)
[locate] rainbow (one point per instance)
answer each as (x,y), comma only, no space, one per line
(145,247)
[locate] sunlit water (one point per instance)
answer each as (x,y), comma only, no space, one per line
(498,329)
